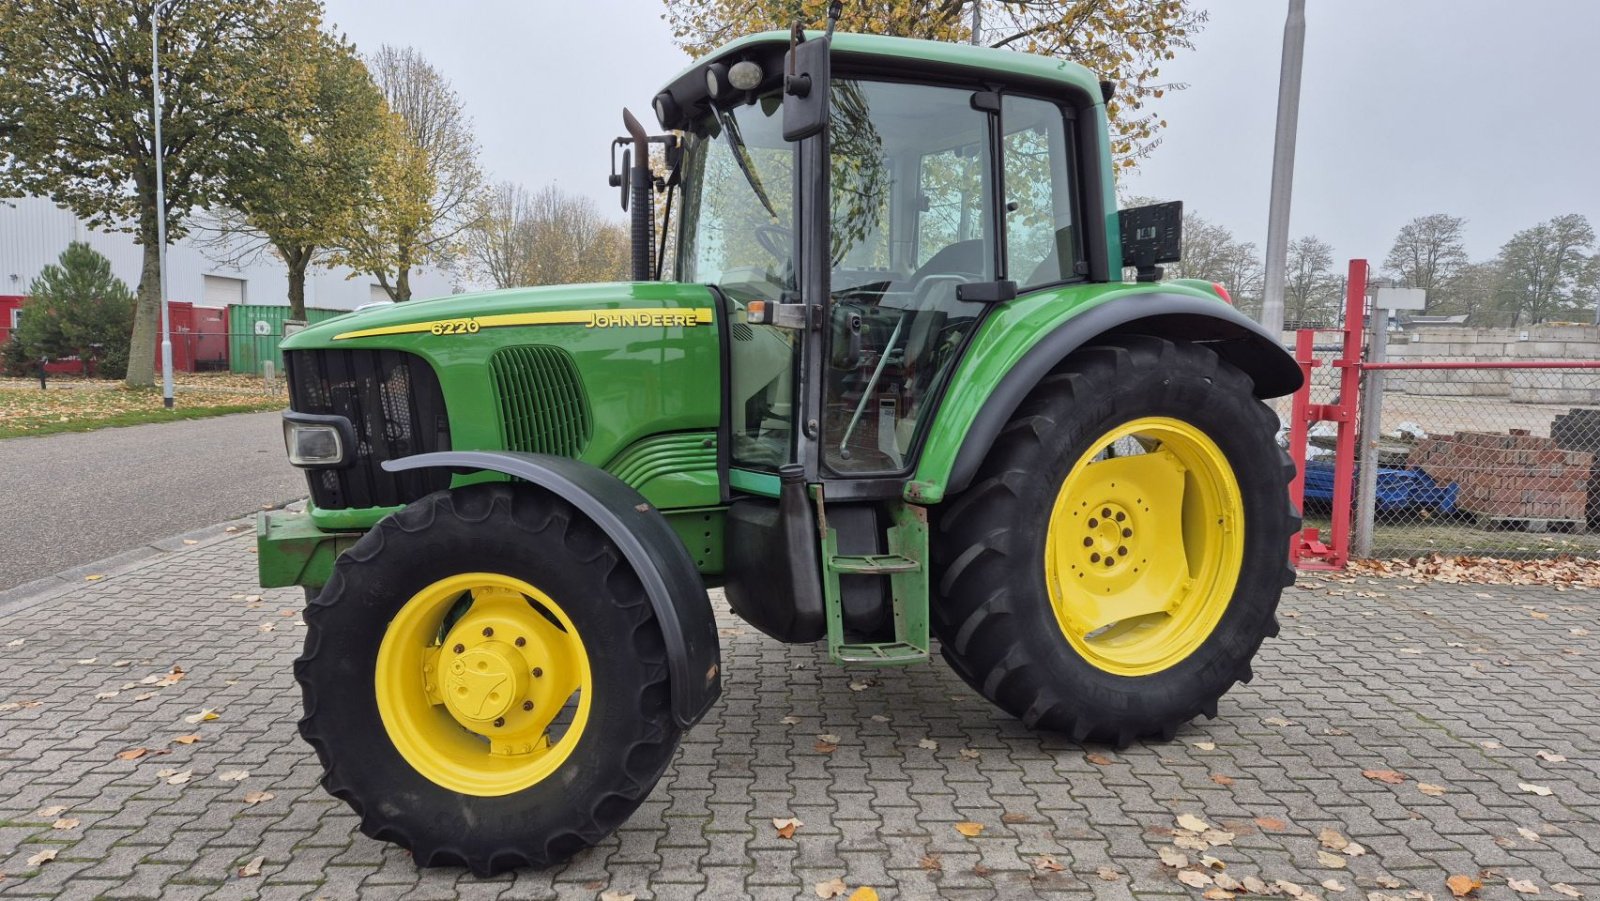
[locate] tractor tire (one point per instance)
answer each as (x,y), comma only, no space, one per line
(1063,599)
(530,616)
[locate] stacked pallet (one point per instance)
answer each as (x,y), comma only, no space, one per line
(1515,479)
(1579,429)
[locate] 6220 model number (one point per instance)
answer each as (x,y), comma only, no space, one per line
(455,327)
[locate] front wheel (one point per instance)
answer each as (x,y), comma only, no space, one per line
(1119,558)
(485,682)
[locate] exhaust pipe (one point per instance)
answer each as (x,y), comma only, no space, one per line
(641,207)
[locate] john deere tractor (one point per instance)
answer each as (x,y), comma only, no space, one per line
(912,376)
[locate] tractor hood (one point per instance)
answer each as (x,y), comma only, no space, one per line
(605,305)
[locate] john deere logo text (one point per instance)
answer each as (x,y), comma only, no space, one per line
(642,318)
(647,317)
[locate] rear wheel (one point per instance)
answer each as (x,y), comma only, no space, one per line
(485,681)
(1119,558)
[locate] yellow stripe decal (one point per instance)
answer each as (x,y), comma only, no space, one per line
(635,317)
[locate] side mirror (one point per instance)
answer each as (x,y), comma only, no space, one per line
(807,73)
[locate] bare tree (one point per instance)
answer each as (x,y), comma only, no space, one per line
(1311,283)
(1549,271)
(427,193)
(544,237)
(1428,253)
(1211,252)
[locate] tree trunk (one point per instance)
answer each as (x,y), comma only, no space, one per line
(146,321)
(402,284)
(297,258)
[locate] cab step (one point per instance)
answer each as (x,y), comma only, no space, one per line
(905,568)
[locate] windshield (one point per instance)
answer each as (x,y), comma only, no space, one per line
(739,204)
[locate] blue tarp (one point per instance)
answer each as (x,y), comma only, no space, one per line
(1398,489)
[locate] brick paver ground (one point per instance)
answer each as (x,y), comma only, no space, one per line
(1453,686)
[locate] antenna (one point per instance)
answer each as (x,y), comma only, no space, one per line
(835,10)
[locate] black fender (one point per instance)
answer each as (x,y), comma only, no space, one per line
(1177,317)
(677,593)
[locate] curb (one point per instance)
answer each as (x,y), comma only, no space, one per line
(33,593)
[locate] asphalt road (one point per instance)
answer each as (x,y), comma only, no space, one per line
(67,500)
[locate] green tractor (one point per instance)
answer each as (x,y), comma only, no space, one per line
(913,375)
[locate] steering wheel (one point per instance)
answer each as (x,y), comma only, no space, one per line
(774,239)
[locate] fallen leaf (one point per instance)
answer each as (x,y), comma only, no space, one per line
(1529,834)
(928,743)
(1551,757)
(1522,886)
(825,747)
(180,778)
(862,685)
(190,541)
(187,739)
(1206,745)
(980,870)
(204,716)
(1291,889)
(969,829)
(1224,881)
(786,826)
(266,627)
(42,857)
(829,738)
(1108,874)
(1462,886)
(1565,889)
(233,776)
(791,721)
(1192,823)
(132,753)
(106,695)
(1431,790)
(1174,858)
(1098,759)
(931,862)
(1388,881)
(617,895)
(1490,745)
(15,642)
(1190,841)
(65,823)
(1330,860)
(257,797)
(1215,837)
(94,578)
(833,888)
(144,696)
(51,812)
(880,718)
(1194,878)
(1014,818)
(1332,840)
(1044,863)
(864,893)
(1334,885)
(970,753)
(1220,779)
(1277,721)
(1212,863)
(1389,777)
(87,660)
(253,868)
(1354,849)
(1271,824)
(1539,790)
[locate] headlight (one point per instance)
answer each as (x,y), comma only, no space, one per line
(316,442)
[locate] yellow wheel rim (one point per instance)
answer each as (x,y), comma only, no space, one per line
(483,684)
(1144,546)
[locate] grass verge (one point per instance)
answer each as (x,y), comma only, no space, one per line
(80,405)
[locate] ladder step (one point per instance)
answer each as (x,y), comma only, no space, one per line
(882,654)
(872,564)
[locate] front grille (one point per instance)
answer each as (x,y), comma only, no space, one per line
(396,408)
(543,409)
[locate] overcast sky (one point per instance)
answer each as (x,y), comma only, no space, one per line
(1476,108)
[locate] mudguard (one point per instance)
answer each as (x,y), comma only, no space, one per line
(676,592)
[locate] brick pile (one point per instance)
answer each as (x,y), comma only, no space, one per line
(1512,476)
(1579,429)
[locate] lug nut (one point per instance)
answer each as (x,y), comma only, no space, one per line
(1127,533)
(1106,512)
(538,671)
(1093,522)
(488,632)
(1122,552)
(1121,516)
(459,648)
(499,721)
(1088,542)
(1109,561)
(521,641)
(527,705)
(1094,558)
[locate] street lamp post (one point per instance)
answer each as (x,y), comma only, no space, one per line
(161,211)
(1294,46)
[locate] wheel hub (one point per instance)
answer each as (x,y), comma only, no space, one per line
(1108,542)
(484,682)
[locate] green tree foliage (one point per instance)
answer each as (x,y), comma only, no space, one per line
(75,84)
(76,307)
(299,191)
(426,188)
(1550,272)
(1428,253)
(1125,41)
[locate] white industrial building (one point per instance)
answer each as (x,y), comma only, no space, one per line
(34,232)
